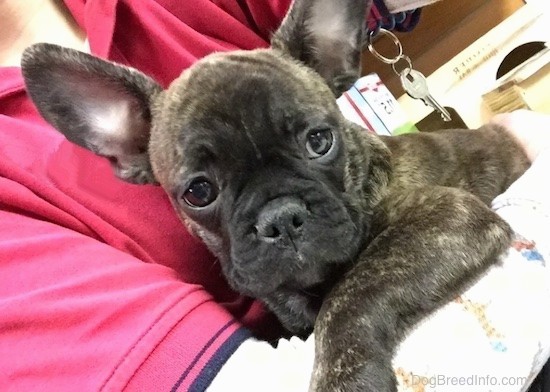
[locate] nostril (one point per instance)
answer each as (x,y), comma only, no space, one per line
(272,232)
(297,221)
(268,231)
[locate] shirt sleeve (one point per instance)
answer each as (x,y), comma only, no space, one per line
(77,312)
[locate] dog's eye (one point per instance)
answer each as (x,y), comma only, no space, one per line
(200,193)
(319,142)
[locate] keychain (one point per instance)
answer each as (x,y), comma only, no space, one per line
(413,81)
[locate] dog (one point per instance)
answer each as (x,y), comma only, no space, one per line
(357,235)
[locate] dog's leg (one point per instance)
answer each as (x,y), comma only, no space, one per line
(437,241)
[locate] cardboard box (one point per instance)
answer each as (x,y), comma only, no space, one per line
(462,82)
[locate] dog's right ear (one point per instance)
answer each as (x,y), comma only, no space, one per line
(99,105)
(326,35)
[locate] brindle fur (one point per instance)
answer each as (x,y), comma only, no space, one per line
(392,229)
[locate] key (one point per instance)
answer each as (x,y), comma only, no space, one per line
(416,85)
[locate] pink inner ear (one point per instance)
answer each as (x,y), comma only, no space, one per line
(115,119)
(117,128)
(109,118)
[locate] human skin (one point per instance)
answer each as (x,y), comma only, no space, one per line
(531,130)
(31,21)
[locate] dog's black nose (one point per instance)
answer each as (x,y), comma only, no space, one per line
(281,217)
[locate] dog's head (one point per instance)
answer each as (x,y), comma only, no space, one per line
(250,146)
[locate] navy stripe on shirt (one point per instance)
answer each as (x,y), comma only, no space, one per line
(225,354)
(219,358)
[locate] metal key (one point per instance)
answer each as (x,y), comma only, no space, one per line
(416,85)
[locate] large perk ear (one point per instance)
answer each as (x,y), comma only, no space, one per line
(326,35)
(99,105)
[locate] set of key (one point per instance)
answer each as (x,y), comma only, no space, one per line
(416,85)
(414,82)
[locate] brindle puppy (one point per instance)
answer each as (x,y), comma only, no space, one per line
(298,203)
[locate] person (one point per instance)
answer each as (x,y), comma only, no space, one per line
(102,286)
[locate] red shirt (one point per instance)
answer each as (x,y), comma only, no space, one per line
(102,287)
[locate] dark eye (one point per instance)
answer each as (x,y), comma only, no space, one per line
(319,142)
(200,193)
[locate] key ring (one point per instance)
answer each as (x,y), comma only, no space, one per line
(405,70)
(395,40)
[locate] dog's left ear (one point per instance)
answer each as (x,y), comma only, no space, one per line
(99,105)
(326,35)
